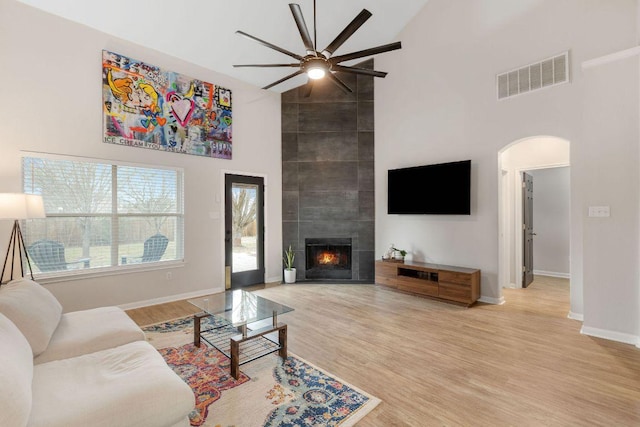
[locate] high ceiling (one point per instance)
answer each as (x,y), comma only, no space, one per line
(203,31)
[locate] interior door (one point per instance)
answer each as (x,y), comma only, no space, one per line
(527,229)
(244,229)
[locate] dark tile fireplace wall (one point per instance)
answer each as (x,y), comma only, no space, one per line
(327,167)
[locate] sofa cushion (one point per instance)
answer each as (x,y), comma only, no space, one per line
(86,331)
(16,373)
(130,385)
(33,309)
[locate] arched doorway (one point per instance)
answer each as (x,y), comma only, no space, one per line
(527,154)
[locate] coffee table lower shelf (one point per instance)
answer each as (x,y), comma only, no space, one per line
(240,344)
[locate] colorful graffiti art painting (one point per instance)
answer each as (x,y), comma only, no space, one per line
(146,106)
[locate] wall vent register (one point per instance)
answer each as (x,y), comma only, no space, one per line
(546,73)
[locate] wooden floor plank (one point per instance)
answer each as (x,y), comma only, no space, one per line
(432,363)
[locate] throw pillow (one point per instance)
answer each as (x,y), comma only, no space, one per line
(33,309)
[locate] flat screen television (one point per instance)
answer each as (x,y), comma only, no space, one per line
(440,189)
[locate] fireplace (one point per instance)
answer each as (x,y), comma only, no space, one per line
(328,258)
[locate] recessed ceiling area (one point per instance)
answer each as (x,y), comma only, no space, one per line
(203,31)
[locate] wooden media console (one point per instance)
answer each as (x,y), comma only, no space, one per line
(443,282)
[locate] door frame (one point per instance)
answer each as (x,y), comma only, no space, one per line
(518,216)
(220,200)
(527,229)
(504,241)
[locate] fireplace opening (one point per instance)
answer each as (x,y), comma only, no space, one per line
(328,258)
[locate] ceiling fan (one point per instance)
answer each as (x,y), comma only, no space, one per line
(317,64)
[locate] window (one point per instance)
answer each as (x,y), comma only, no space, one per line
(102,215)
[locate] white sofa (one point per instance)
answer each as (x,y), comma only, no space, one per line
(85,368)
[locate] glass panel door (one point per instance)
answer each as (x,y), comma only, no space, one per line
(244,229)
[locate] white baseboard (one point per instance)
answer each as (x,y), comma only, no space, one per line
(551,274)
(610,335)
(491,300)
(576,316)
(169,298)
(274,279)
(178,297)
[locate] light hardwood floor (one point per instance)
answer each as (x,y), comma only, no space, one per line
(523,363)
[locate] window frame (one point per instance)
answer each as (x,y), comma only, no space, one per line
(114,216)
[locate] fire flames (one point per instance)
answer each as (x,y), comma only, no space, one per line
(325,258)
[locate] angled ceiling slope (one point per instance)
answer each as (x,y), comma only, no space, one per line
(202,32)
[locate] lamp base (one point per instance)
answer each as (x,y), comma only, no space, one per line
(16,243)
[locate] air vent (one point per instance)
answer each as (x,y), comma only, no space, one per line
(548,72)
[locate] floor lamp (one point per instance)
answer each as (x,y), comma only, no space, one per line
(17,206)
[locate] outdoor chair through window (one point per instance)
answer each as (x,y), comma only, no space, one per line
(48,255)
(154,248)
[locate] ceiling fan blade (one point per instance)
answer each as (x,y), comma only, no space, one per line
(347,32)
(356,70)
(266,65)
(284,79)
(302,27)
(366,52)
(308,88)
(339,83)
(269,45)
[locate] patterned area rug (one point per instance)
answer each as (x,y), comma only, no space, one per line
(269,391)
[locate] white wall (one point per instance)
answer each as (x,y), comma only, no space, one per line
(551,221)
(51,103)
(438,103)
(609,174)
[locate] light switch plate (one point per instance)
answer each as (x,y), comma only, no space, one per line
(599,211)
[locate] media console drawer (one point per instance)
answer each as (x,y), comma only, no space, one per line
(443,282)
(454,291)
(426,287)
(453,277)
(386,274)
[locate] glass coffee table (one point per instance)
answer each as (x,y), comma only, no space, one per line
(239,326)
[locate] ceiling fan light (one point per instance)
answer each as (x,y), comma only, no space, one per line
(316,73)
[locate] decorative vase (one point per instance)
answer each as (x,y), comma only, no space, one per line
(289,275)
